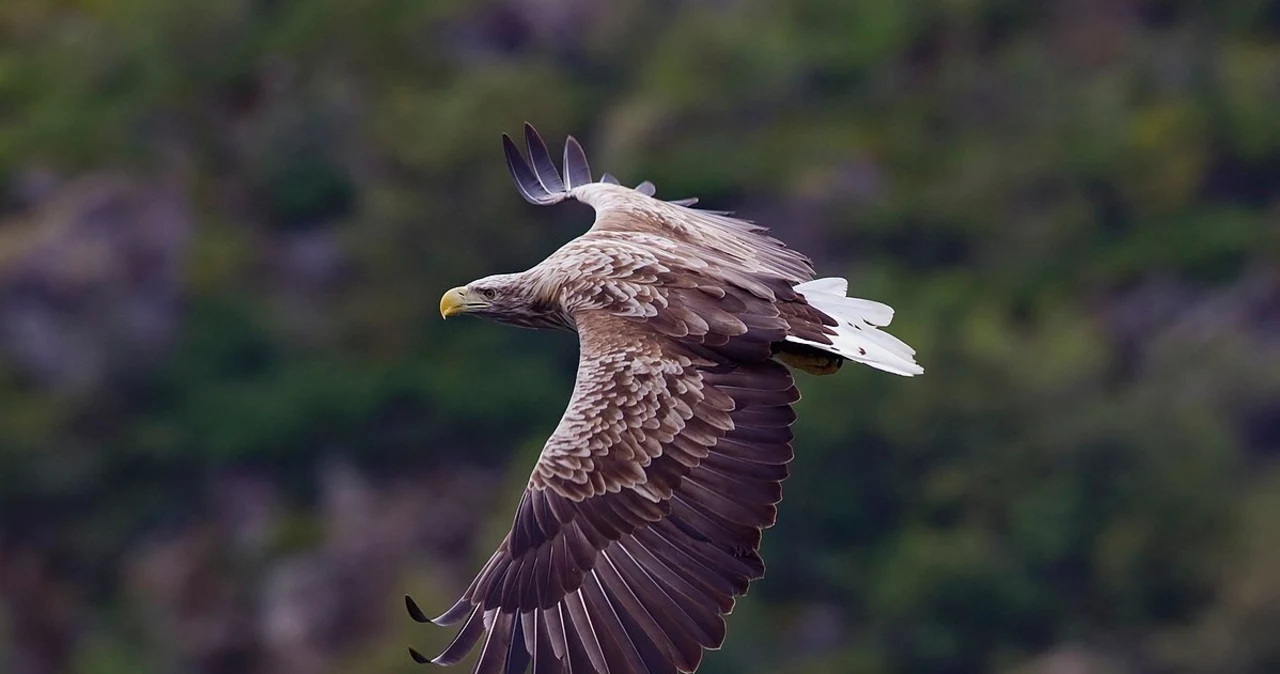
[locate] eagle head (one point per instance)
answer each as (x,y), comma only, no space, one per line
(506,298)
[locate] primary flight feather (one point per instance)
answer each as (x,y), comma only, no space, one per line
(642,519)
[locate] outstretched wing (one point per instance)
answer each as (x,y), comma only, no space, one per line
(540,183)
(642,519)
(621,211)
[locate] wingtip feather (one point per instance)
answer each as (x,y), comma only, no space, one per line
(539,182)
(414,611)
(523,175)
(577,172)
(540,157)
(457,612)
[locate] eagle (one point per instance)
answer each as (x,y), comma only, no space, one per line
(642,519)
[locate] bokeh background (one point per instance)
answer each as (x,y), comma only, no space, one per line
(234,430)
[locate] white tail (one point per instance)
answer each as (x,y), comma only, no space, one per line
(857,337)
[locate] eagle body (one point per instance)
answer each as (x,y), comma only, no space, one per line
(642,518)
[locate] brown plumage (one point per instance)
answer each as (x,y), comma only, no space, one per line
(642,518)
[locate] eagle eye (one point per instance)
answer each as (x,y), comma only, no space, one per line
(488,293)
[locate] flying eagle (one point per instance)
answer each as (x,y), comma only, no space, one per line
(641,522)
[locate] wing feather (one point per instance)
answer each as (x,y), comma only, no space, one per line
(543,166)
(624,597)
(579,659)
(545,660)
(465,640)
(621,652)
(556,631)
(497,644)
(586,631)
(694,617)
(519,653)
(676,626)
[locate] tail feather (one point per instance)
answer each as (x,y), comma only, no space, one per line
(857,337)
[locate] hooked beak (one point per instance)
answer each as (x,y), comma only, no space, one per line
(453,302)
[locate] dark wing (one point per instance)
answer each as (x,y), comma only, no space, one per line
(708,235)
(540,183)
(642,520)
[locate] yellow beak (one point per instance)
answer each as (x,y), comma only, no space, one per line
(453,302)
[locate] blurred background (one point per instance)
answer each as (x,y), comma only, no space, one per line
(234,430)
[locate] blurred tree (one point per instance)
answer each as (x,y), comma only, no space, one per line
(224,226)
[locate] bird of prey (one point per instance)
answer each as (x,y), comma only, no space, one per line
(642,519)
